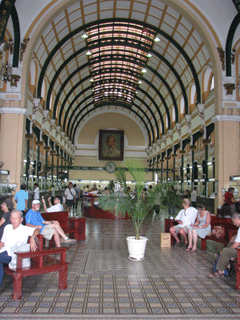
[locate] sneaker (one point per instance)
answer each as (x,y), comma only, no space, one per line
(70,241)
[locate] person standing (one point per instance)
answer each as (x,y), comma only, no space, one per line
(21,198)
(36,192)
(229,198)
(70,195)
(7,208)
(52,194)
(194,197)
(77,190)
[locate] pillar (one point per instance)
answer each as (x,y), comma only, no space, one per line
(227,146)
(12,141)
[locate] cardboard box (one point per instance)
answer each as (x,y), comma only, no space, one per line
(165,240)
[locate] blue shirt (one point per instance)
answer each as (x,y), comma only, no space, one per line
(35,218)
(21,196)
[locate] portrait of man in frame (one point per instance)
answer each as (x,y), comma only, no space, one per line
(111,145)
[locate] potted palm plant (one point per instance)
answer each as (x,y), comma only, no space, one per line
(136,205)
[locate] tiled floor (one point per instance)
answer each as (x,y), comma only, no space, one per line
(103,284)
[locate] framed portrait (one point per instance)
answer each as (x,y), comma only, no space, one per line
(111,145)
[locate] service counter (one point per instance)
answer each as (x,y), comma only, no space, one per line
(91,209)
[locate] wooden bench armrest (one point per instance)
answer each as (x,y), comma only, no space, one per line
(41,253)
(238,255)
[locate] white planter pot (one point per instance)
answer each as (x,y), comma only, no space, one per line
(136,248)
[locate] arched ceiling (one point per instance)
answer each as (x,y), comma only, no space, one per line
(141,55)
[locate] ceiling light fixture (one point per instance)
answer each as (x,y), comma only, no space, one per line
(88,53)
(91,80)
(157,39)
(139,82)
(149,55)
(144,70)
(84,36)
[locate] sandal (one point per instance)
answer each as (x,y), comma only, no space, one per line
(188,249)
(193,251)
(215,275)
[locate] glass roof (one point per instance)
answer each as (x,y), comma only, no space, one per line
(117,54)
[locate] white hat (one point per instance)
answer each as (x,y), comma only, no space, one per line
(36,202)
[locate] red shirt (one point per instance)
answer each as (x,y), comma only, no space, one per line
(228,197)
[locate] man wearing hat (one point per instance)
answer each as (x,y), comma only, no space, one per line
(7,207)
(47,228)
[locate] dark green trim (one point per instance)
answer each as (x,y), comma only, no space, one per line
(121,105)
(75,86)
(5,11)
(229,42)
(88,97)
(17,37)
(77,30)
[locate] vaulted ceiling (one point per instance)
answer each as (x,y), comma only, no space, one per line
(140,55)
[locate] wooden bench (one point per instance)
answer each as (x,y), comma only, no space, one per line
(74,226)
(237,268)
(226,223)
(41,262)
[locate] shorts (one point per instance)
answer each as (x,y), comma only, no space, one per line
(69,203)
(47,232)
(177,229)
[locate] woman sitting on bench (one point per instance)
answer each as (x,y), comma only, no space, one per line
(201,228)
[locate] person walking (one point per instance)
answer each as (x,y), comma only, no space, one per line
(21,198)
(70,195)
(194,197)
(36,192)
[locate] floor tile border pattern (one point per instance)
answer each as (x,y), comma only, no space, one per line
(121,317)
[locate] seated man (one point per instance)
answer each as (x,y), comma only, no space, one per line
(47,228)
(57,207)
(185,218)
(12,234)
(230,251)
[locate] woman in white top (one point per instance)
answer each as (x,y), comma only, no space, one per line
(201,228)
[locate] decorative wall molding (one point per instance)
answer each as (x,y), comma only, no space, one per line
(225,117)
(13,110)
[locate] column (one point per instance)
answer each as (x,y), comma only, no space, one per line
(227,146)
(28,136)
(12,140)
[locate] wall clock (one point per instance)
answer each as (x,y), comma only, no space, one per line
(110,167)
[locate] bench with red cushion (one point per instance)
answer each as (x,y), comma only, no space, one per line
(229,228)
(41,262)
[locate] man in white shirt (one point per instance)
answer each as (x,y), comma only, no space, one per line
(12,234)
(185,218)
(230,251)
(36,192)
(70,195)
(57,207)
(194,197)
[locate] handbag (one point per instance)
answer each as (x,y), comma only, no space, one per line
(218,232)
(19,247)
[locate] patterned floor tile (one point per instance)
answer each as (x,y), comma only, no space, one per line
(102,281)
